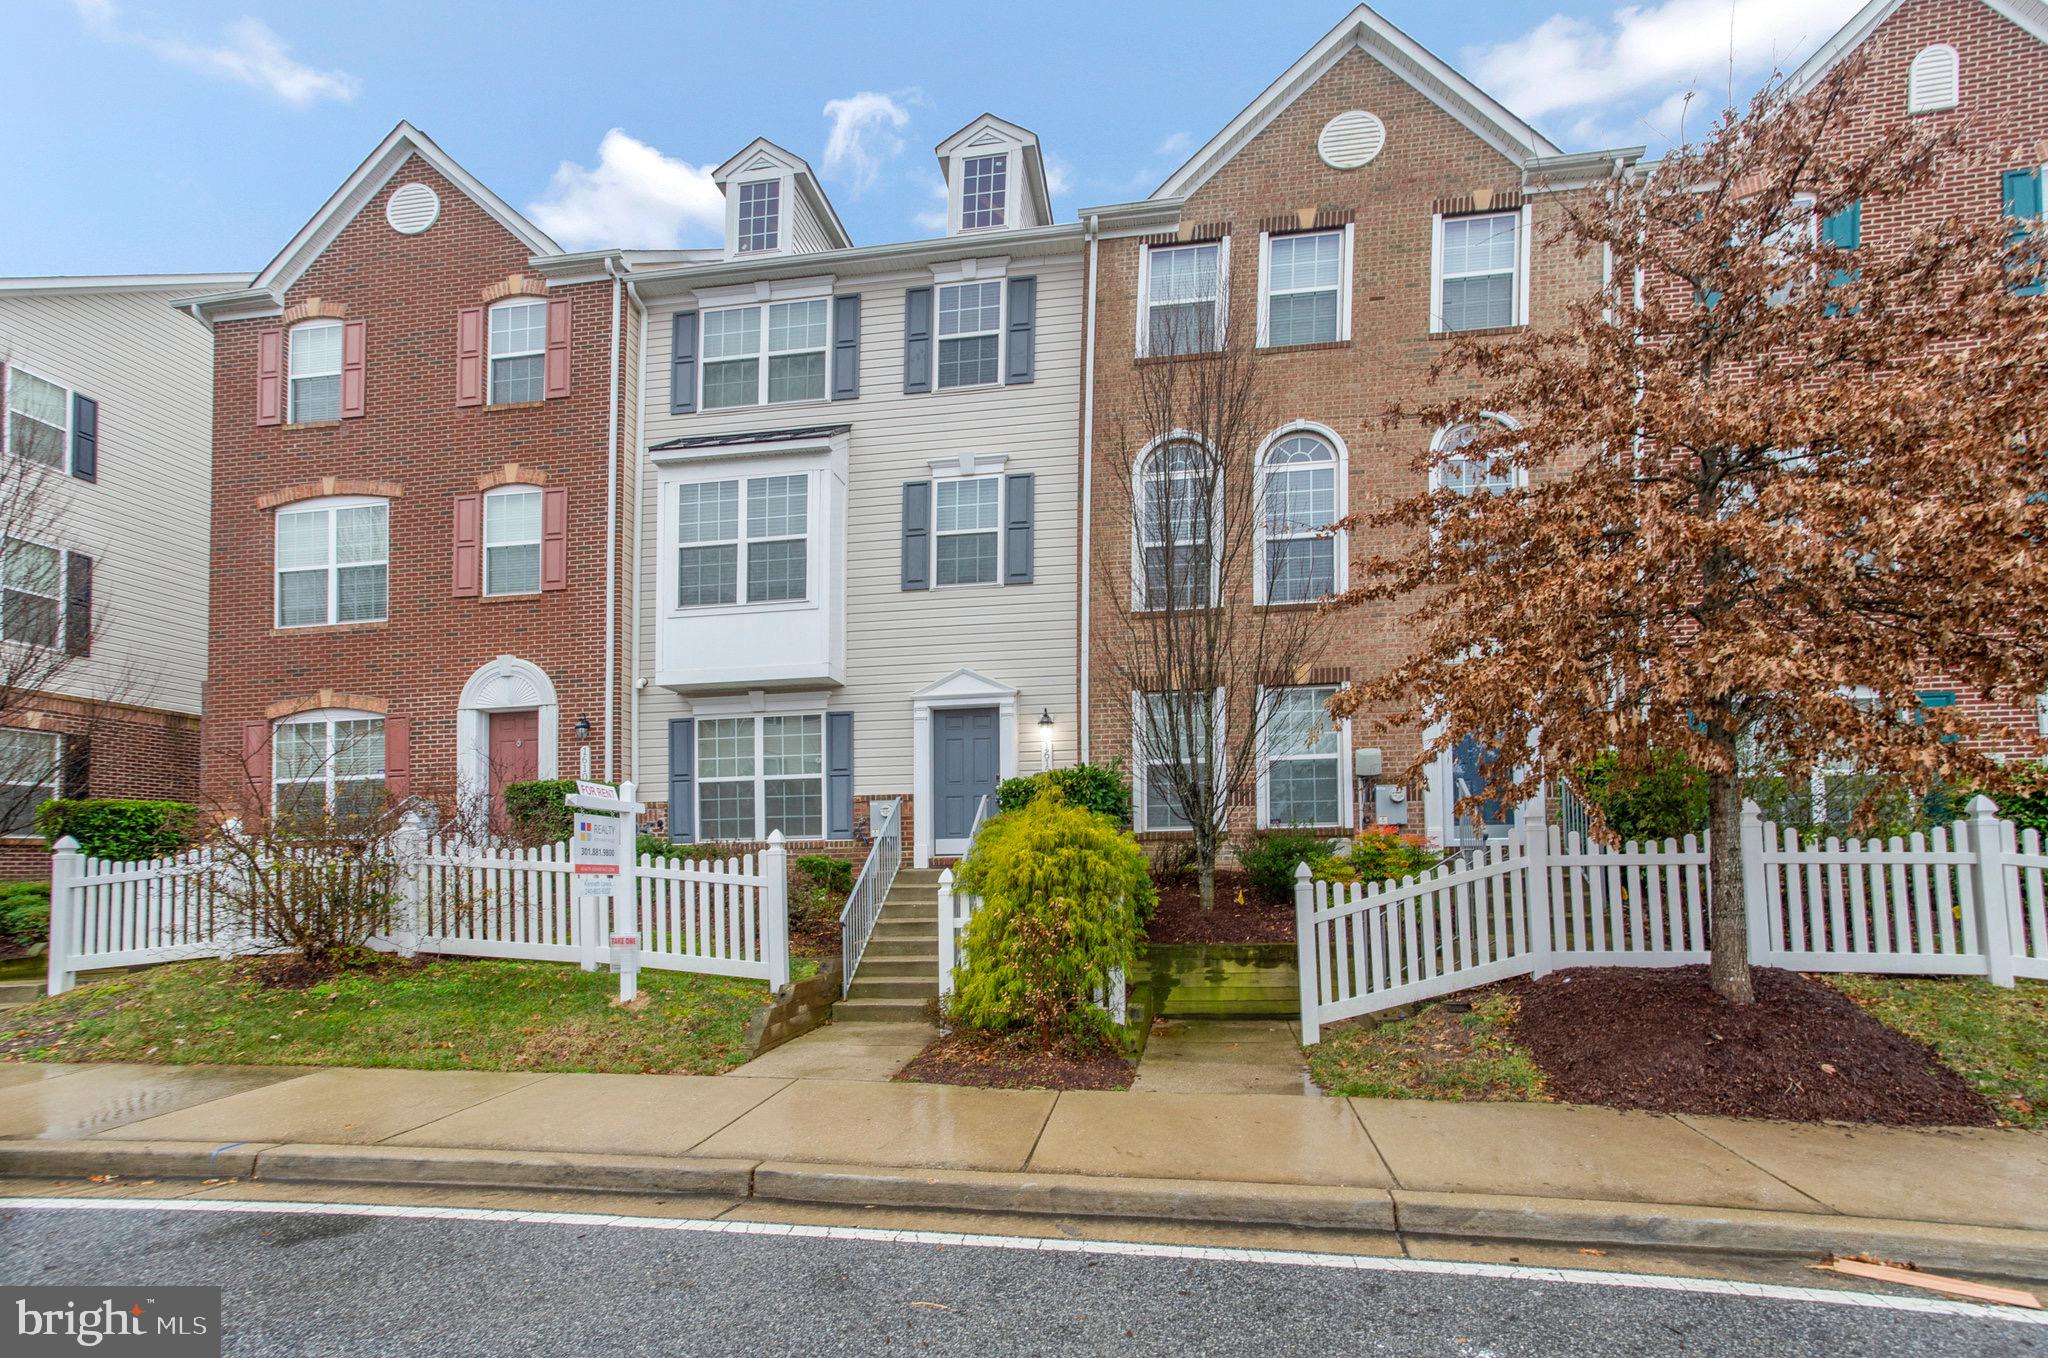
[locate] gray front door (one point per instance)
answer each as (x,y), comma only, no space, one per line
(963,769)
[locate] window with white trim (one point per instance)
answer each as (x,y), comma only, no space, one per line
(1177,490)
(760,221)
(1183,298)
(31,764)
(1470,475)
(772,554)
(1172,734)
(1478,259)
(966,530)
(38,418)
(1304,759)
(314,392)
(327,764)
(31,593)
(747,363)
(984,192)
(756,775)
(1304,280)
(332,562)
(970,333)
(519,341)
(1299,490)
(512,530)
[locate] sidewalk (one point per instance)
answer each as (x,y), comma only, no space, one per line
(1971,1199)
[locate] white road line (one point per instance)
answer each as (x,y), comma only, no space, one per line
(1929,1306)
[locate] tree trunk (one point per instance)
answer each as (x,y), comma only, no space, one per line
(1728,966)
(1208,879)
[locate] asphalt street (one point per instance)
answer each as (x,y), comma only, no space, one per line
(325,1282)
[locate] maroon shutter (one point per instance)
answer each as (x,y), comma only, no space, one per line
(256,763)
(397,758)
(354,341)
(469,545)
(557,361)
(469,357)
(270,377)
(554,539)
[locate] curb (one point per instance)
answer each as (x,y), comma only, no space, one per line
(432,1166)
(149,1159)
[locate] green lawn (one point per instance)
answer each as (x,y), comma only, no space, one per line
(445,1015)
(1436,1054)
(1996,1039)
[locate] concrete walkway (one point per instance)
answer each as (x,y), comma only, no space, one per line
(1223,1056)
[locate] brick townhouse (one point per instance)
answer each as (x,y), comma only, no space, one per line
(422,416)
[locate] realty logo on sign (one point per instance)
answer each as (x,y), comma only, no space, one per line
(596,843)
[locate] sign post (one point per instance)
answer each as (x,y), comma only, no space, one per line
(603,856)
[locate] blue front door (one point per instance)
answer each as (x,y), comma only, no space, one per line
(963,769)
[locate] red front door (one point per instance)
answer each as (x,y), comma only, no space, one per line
(515,753)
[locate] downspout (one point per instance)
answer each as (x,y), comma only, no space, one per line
(611,537)
(633,693)
(1087,483)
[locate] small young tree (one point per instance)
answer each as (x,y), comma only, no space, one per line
(1184,626)
(1766,483)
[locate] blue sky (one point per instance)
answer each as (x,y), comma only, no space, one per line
(180,135)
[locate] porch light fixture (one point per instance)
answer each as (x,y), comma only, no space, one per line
(1045,730)
(583,729)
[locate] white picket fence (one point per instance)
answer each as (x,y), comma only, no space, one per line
(727,918)
(1969,899)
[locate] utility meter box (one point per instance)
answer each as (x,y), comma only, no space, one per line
(1365,763)
(1389,803)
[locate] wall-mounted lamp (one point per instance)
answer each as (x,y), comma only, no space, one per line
(583,754)
(1045,731)
(583,729)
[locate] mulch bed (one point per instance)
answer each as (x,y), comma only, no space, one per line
(1180,918)
(985,1063)
(1663,1041)
(814,936)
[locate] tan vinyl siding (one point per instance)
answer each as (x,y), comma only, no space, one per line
(806,232)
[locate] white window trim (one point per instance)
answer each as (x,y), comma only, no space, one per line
(291,347)
(1139,602)
(1002,221)
(2041,715)
(1436,268)
(739,244)
(63,596)
(760,775)
(1139,794)
(1341,539)
(539,537)
(956,477)
(1143,337)
(713,472)
(333,505)
(327,716)
(491,355)
(1346,801)
(762,354)
(55,784)
(7,373)
(1519,474)
(1344,234)
(1001,331)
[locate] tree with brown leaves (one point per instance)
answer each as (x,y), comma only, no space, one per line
(1754,494)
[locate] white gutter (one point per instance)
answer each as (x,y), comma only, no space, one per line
(611,537)
(1087,481)
(639,549)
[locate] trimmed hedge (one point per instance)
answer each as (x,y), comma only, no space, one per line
(119,828)
(1100,788)
(536,811)
(24,913)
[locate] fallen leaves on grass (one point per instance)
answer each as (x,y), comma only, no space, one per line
(1460,1050)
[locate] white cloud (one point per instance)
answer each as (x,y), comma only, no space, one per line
(1059,175)
(863,136)
(1176,144)
(934,218)
(635,197)
(250,54)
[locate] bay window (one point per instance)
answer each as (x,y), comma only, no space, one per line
(327,764)
(1304,759)
(332,559)
(519,336)
(1478,272)
(773,511)
(748,363)
(756,775)
(970,333)
(314,393)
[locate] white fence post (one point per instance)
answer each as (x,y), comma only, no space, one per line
(409,849)
(1988,849)
(945,933)
(626,898)
(775,911)
(64,914)
(1756,893)
(1534,834)
(1305,956)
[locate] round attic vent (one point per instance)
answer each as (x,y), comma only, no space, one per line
(1349,140)
(412,208)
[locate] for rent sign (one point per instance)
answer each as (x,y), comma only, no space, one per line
(596,844)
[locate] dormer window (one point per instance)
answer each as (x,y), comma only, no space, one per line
(984,192)
(760,215)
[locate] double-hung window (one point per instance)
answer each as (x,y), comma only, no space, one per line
(1469,475)
(331,562)
(984,192)
(1304,759)
(327,764)
(739,371)
(756,775)
(1183,311)
(966,518)
(773,511)
(31,593)
(314,394)
(970,333)
(512,532)
(1300,503)
(760,215)
(519,338)
(1175,742)
(1478,264)
(1304,288)
(29,768)
(1177,495)
(38,418)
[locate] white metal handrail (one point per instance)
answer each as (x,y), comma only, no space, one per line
(870,890)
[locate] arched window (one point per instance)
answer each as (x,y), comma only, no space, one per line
(1451,470)
(332,558)
(315,390)
(327,763)
(1300,497)
(512,533)
(1933,80)
(519,341)
(1178,489)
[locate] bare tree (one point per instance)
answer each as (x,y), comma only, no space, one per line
(1187,629)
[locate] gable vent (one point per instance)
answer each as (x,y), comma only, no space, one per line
(1350,140)
(1931,80)
(412,208)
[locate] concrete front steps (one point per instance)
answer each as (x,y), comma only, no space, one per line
(15,993)
(898,976)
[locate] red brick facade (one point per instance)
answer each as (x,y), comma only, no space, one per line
(121,751)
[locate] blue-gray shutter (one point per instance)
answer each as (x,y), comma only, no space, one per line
(917,340)
(77,604)
(682,780)
(846,347)
(839,775)
(1023,362)
(85,438)
(917,535)
(682,364)
(1018,508)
